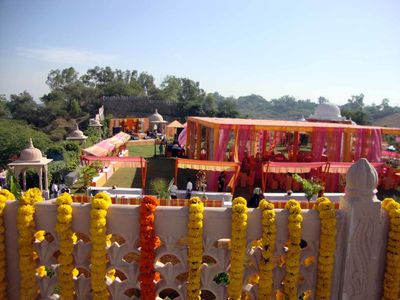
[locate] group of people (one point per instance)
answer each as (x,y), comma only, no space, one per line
(58,189)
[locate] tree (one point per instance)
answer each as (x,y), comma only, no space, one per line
(58,79)
(322,100)
(14,137)
(4,111)
(23,107)
(227,109)
(209,106)
(358,116)
(170,89)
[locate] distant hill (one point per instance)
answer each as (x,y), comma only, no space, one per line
(392,120)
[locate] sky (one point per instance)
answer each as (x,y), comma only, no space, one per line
(301,48)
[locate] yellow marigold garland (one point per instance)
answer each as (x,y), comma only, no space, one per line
(3,200)
(391,283)
(238,247)
(195,247)
(65,235)
(293,256)
(265,289)
(98,236)
(327,246)
(26,230)
(6,193)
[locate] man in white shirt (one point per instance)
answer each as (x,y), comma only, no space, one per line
(173,190)
(189,188)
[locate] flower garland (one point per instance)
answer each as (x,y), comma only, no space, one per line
(265,290)
(195,247)
(6,193)
(98,235)
(26,230)
(148,243)
(327,246)
(65,234)
(238,247)
(391,284)
(293,257)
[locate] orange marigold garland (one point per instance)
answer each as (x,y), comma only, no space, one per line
(391,283)
(65,235)
(148,243)
(98,235)
(26,230)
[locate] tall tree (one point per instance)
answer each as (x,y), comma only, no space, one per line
(58,79)
(4,111)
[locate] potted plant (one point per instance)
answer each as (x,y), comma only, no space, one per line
(159,187)
(310,187)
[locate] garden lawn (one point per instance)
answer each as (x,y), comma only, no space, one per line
(142,150)
(124,177)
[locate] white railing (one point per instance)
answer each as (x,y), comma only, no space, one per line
(359,257)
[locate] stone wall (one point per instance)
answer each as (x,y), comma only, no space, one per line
(124,106)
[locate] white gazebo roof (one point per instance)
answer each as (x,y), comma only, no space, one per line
(156,118)
(31,156)
(77,135)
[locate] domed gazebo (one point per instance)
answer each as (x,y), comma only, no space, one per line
(327,112)
(77,135)
(32,157)
(157,121)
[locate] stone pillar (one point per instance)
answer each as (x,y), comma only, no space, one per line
(24,180)
(41,178)
(363,234)
(46,180)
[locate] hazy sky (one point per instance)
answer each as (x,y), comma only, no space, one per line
(272,48)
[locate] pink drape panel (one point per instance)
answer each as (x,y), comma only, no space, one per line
(368,145)
(182,136)
(243,138)
(318,143)
(212,180)
(192,142)
(224,135)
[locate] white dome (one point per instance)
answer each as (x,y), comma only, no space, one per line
(327,111)
(31,153)
(156,118)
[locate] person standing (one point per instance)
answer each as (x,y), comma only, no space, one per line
(173,191)
(189,188)
(54,190)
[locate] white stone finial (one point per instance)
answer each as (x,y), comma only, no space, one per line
(361,179)
(156,111)
(30,143)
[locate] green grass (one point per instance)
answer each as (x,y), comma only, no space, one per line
(124,177)
(142,150)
